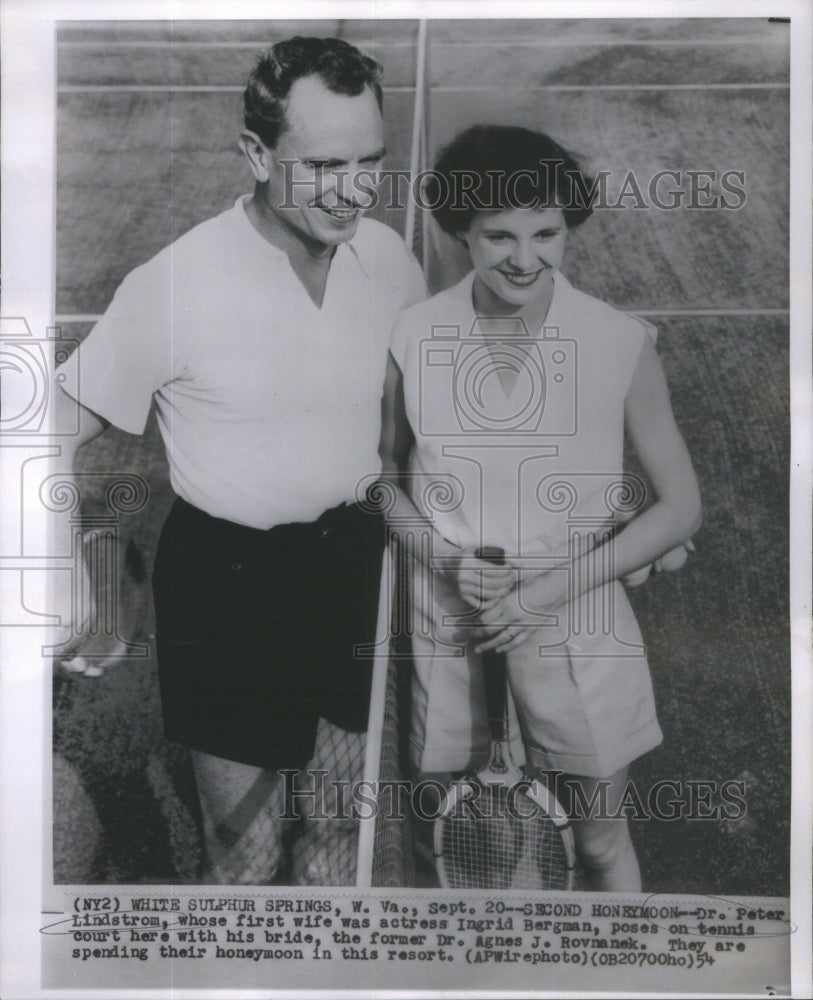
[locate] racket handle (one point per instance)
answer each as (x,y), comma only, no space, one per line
(491,553)
(494,664)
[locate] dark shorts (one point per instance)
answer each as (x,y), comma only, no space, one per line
(257,631)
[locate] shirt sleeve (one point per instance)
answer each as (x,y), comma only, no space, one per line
(129,354)
(650,328)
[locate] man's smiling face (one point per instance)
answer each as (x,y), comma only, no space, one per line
(322,169)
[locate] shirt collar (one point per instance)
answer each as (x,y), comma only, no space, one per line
(347,249)
(351,251)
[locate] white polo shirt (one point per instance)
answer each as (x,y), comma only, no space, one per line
(269,406)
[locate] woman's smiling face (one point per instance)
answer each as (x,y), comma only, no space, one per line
(514,253)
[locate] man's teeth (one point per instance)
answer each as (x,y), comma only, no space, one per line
(340,213)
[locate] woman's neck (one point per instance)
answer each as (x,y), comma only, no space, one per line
(487,303)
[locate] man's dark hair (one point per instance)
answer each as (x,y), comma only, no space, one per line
(341,67)
(496,167)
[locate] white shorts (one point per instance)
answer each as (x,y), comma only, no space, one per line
(581,687)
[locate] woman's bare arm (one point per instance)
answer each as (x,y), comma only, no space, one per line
(671,520)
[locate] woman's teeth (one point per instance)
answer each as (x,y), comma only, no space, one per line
(520,279)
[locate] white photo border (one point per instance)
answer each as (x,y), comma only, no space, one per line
(28,205)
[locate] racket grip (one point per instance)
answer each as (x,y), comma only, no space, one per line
(491,553)
(494,664)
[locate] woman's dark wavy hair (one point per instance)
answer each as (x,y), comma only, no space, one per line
(341,67)
(496,167)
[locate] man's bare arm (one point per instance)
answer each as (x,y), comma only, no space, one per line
(90,426)
(70,439)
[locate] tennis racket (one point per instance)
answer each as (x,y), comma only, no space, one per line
(500,829)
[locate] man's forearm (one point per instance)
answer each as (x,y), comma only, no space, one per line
(657,531)
(75,426)
(409,524)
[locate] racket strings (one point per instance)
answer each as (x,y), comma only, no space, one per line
(490,843)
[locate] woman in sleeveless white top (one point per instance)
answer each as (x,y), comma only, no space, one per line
(506,404)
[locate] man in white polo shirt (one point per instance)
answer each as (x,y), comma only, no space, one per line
(262,336)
